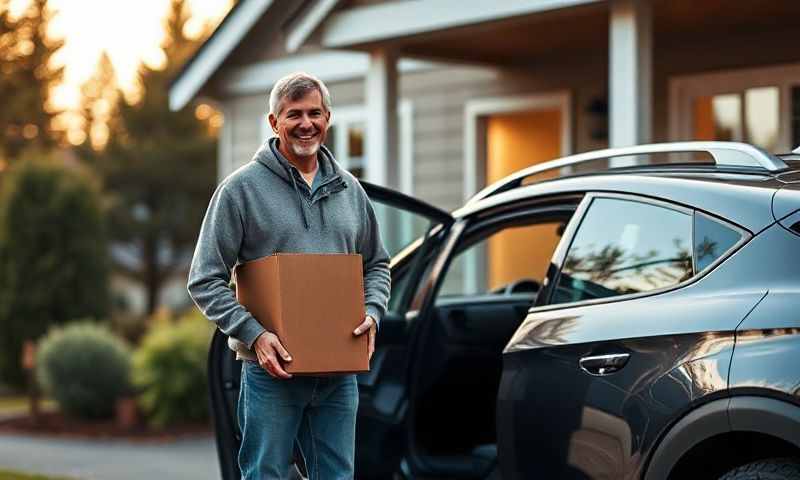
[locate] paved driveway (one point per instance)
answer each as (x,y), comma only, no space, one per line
(194,458)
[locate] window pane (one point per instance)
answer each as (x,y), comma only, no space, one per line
(511,256)
(718,117)
(626,247)
(330,139)
(398,227)
(711,240)
(355,139)
(795,118)
(762,111)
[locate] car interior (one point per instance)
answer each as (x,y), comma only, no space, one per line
(481,298)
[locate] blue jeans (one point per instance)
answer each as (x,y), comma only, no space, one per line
(320,412)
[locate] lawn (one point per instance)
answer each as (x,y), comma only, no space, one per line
(9,475)
(19,404)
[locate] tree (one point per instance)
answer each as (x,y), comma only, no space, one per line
(99,97)
(27,76)
(160,170)
(53,253)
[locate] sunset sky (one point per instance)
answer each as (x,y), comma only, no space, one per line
(129,30)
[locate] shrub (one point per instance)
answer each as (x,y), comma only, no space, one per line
(85,368)
(53,254)
(170,370)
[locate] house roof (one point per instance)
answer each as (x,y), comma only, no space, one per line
(346,29)
(208,58)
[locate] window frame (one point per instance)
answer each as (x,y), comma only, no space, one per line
(684,89)
(570,233)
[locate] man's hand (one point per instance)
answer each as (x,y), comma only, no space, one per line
(268,347)
(370,325)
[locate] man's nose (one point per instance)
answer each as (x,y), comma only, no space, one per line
(305,122)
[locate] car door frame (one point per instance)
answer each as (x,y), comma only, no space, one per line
(480,216)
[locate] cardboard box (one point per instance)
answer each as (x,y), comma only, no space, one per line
(312,302)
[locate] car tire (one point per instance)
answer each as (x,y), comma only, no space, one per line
(772,469)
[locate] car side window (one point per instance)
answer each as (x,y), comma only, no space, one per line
(712,239)
(624,247)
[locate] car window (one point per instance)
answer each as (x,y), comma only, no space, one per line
(511,260)
(624,247)
(711,240)
(398,227)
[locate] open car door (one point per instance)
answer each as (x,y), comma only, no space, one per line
(410,229)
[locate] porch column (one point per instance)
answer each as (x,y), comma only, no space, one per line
(630,75)
(382,159)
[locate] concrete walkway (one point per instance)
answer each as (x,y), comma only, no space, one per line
(191,458)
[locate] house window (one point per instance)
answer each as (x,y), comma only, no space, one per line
(759,106)
(795,117)
(346,140)
(751,115)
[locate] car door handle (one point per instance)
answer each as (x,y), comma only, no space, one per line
(604,364)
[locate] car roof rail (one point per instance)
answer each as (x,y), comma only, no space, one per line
(728,154)
(796,150)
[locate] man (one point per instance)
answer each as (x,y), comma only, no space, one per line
(292,197)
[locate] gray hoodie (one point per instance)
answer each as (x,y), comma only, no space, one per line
(266,207)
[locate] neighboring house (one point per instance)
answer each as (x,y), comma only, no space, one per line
(440,97)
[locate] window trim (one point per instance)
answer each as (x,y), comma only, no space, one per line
(570,232)
(685,88)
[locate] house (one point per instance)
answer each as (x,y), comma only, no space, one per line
(440,97)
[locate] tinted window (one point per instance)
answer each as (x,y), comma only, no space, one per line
(624,247)
(711,240)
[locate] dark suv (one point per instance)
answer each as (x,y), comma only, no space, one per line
(638,322)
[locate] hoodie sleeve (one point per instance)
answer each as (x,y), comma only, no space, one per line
(377,279)
(215,255)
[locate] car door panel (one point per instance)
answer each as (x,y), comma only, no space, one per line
(600,426)
(607,375)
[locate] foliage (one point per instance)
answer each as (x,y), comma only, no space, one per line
(53,256)
(159,167)
(100,95)
(27,75)
(85,368)
(170,370)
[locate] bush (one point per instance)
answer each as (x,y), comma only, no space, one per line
(54,262)
(170,370)
(85,368)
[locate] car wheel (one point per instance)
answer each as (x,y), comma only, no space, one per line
(772,469)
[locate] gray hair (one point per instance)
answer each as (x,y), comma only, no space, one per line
(296,86)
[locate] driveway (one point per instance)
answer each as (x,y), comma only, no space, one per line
(191,458)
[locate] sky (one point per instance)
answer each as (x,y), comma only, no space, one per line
(129,30)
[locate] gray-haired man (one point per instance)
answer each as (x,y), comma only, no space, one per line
(292,197)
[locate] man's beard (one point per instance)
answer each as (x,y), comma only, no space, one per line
(305,150)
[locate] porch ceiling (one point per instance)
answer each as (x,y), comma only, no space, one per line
(583,30)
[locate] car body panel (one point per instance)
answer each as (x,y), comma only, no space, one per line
(786,201)
(680,344)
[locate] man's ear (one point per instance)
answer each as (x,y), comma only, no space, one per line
(273,122)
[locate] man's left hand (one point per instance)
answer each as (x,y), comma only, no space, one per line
(370,325)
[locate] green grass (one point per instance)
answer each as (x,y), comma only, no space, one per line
(9,475)
(19,404)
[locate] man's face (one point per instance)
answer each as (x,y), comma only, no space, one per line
(302,124)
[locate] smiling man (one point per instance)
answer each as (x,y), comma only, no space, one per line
(292,197)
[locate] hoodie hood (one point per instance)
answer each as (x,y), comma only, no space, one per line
(330,180)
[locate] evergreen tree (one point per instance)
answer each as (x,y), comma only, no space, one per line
(53,253)
(160,170)
(27,76)
(100,95)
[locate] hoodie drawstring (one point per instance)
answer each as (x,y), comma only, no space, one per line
(299,200)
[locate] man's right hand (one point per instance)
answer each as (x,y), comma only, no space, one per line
(268,347)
